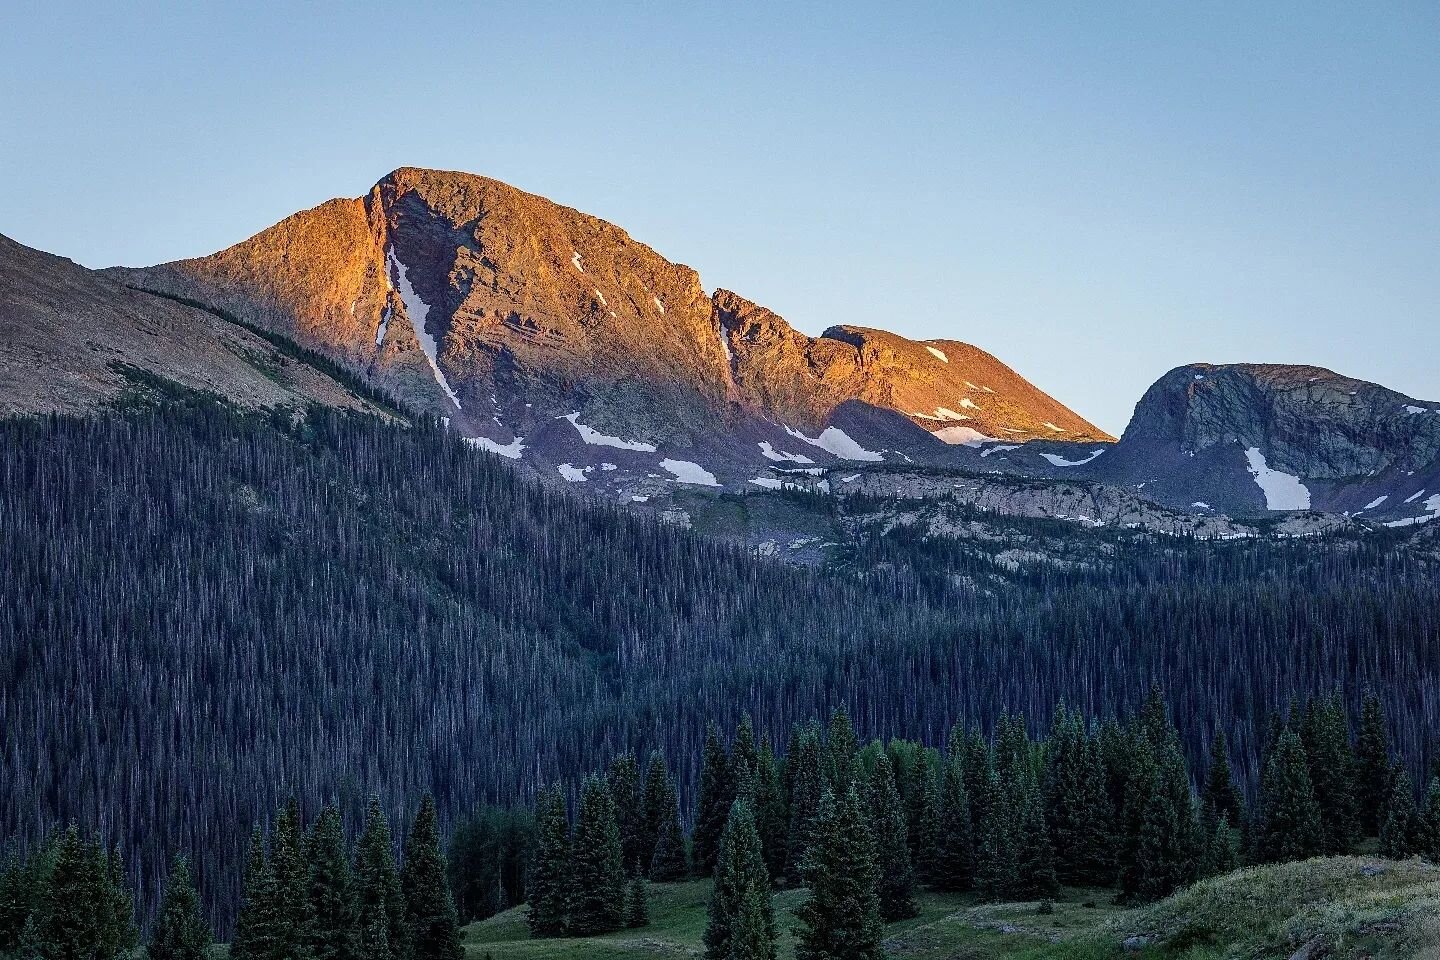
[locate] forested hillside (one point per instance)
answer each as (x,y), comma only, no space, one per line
(209,611)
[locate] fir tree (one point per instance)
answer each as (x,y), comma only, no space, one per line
(1077,807)
(119,905)
(929,824)
(659,805)
(637,903)
(1397,830)
(744,760)
(1290,826)
(753,934)
(1373,774)
(380,903)
(66,924)
(332,890)
(623,778)
(717,792)
(1221,854)
(887,819)
(597,871)
(180,932)
(431,925)
(17,898)
(740,876)
(257,926)
(550,886)
(1427,827)
(294,915)
(841,918)
(670,860)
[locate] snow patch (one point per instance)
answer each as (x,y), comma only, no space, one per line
(417,310)
(771,483)
(512,450)
(384,325)
(687,472)
(1283,491)
(659,306)
(574,474)
(939,354)
(1415,496)
(1050,426)
(945,413)
(598,439)
(601,296)
(1376,502)
(1412,410)
(999,448)
(575,259)
(1059,461)
(780,456)
(639,498)
(837,442)
(965,436)
(850,479)
(608,467)
(1201,504)
(968,404)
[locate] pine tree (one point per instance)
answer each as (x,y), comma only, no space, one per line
(290,868)
(887,819)
(380,903)
(1290,826)
(717,792)
(431,924)
(1373,773)
(623,778)
(771,821)
(740,876)
(597,871)
(180,932)
(1325,735)
(637,903)
(332,890)
(841,918)
(550,887)
(257,926)
(805,779)
(1397,830)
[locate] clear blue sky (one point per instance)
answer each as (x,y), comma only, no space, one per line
(1094,192)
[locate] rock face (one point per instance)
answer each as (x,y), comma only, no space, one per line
(510,314)
(67,334)
(1257,438)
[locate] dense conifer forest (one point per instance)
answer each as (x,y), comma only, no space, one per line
(210,611)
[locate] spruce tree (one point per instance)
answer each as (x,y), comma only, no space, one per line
(753,934)
(1221,798)
(740,876)
(1326,737)
(659,805)
(996,860)
(1373,774)
(431,925)
(1397,829)
(180,932)
(550,886)
(717,792)
(744,759)
(637,903)
(380,903)
(841,918)
(623,778)
(952,861)
(596,868)
(1290,826)
(16,901)
(1427,831)
(257,925)
(929,825)
(887,819)
(1076,803)
(294,915)
(670,861)
(771,820)
(805,778)
(73,918)
(840,753)
(1221,854)
(332,890)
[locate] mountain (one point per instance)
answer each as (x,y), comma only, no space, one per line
(1257,439)
(551,337)
(72,339)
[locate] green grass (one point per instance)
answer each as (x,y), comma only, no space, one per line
(1357,906)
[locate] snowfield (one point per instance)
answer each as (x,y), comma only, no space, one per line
(1283,491)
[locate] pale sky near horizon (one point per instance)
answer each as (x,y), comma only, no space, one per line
(1095,193)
